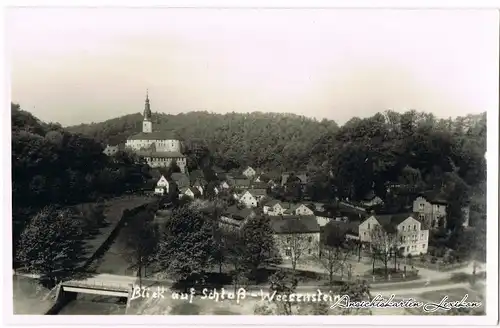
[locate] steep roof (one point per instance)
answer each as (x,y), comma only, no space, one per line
(241,182)
(243,213)
(295,224)
(434,197)
(155,173)
(272,202)
(390,221)
(180,179)
(257,192)
(155,135)
(301,176)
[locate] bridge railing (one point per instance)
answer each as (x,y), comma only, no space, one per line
(99,284)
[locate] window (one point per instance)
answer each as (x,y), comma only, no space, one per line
(288,252)
(288,240)
(421,206)
(368,226)
(423,246)
(422,235)
(407,248)
(404,238)
(403,228)
(309,251)
(364,233)
(310,239)
(414,227)
(421,216)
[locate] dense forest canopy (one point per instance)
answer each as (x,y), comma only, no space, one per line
(411,149)
(51,166)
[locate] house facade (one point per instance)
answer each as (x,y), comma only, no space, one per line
(297,237)
(249,172)
(275,208)
(298,209)
(248,199)
(409,234)
(162,186)
(430,210)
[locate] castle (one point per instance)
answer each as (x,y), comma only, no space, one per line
(159,148)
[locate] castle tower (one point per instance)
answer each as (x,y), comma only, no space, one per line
(147,125)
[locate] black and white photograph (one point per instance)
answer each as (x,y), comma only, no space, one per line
(266,162)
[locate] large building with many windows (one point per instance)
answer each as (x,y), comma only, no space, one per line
(159,148)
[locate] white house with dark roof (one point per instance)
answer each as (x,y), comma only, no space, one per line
(275,207)
(431,209)
(297,233)
(162,186)
(249,172)
(190,192)
(412,235)
(298,209)
(159,148)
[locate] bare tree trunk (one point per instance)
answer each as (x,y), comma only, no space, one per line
(359,251)
(373,265)
(395,259)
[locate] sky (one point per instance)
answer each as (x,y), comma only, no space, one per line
(82,65)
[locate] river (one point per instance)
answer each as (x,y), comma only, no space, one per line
(114,261)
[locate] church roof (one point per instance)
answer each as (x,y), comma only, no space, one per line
(155,135)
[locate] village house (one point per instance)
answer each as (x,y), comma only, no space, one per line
(240,182)
(298,209)
(190,192)
(180,179)
(224,185)
(301,176)
(249,172)
(324,217)
(275,208)
(371,199)
(197,184)
(162,186)
(235,217)
(431,209)
(297,236)
(409,234)
(252,197)
(111,150)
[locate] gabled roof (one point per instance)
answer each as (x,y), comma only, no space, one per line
(295,224)
(301,176)
(155,173)
(293,207)
(180,179)
(434,197)
(259,185)
(390,221)
(257,192)
(243,213)
(369,195)
(155,135)
(272,202)
(241,182)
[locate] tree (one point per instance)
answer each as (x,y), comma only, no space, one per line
(335,251)
(185,249)
(383,244)
(234,249)
(292,240)
(284,283)
(258,239)
(51,244)
(141,242)
(357,291)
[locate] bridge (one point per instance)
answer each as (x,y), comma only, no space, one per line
(102,284)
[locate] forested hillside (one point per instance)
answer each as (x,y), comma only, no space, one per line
(410,149)
(52,167)
(258,139)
